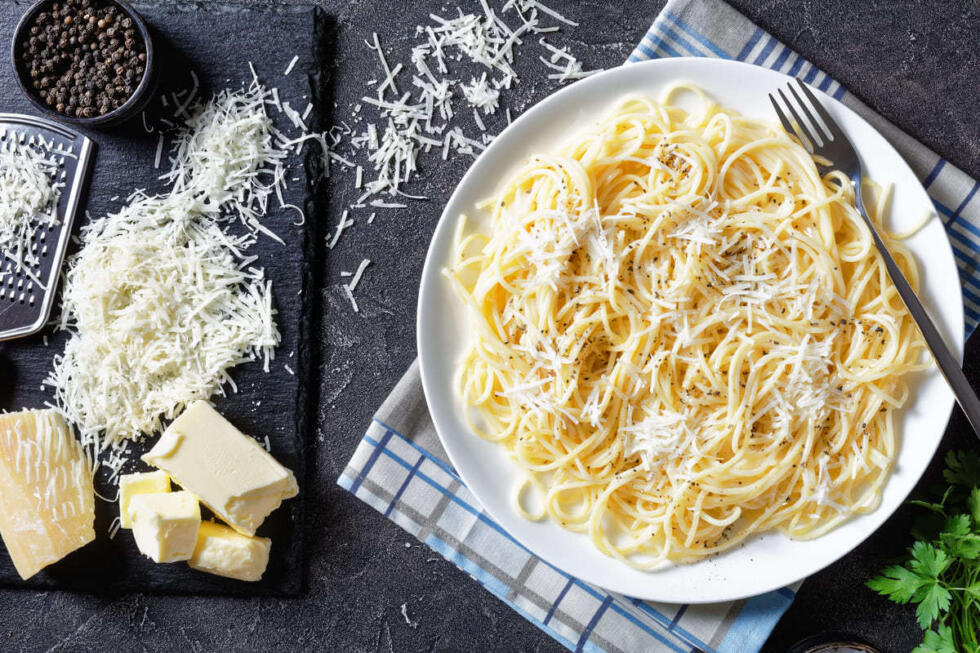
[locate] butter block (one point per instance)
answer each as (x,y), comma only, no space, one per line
(47,497)
(132,484)
(165,525)
(227,470)
(225,552)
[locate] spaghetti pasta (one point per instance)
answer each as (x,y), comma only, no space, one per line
(684,335)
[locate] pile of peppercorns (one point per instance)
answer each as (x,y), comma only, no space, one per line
(83,58)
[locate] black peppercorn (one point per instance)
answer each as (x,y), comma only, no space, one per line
(83,58)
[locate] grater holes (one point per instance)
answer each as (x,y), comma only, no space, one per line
(24,287)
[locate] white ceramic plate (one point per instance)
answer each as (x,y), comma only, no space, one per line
(765,562)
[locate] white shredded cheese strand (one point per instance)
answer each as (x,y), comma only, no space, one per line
(357,275)
(341,226)
(28,201)
(350,296)
(569,69)
(159,154)
(479,93)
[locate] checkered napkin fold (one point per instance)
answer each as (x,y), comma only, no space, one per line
(401,470)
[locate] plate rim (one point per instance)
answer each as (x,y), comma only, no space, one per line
(447,221)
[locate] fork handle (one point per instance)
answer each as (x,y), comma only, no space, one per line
(945,359)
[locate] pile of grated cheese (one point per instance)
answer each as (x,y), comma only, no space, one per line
(163,299)
(28,200)
(161,306)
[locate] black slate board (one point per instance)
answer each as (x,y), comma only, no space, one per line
(217,42)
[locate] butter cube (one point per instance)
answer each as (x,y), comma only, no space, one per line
(132,484)
(225,552)
(165,525)
(228,471)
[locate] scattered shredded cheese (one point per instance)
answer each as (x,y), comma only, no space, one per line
(413,105)
(231,157)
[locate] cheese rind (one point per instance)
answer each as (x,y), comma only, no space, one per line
(225,552)
(131,485)
(228,471)
(165,525)
(47,497)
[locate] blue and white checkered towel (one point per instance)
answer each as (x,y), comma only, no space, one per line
(400,468)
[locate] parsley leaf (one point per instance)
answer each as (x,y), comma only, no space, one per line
(927,560)
(957,525)
(897,583)
(962,546)
(942,573)
(959,540)
(963,468)
(937,642)
(933,598)
(973,504)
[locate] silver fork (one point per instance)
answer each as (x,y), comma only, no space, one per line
(830,142)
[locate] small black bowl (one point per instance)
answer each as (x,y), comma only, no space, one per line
(832,641)
(130,108)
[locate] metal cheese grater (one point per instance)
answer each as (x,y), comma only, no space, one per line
(24,304)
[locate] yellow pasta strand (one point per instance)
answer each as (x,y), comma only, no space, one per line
(684,335)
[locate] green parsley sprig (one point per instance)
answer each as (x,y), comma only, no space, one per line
(942,575)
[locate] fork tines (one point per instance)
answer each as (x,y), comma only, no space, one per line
(812,133)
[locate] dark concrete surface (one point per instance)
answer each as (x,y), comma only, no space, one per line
(916,62)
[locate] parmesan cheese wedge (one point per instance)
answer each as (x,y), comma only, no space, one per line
(226,470)
(47,498)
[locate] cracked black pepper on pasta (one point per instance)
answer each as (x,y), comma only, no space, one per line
(82,58)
